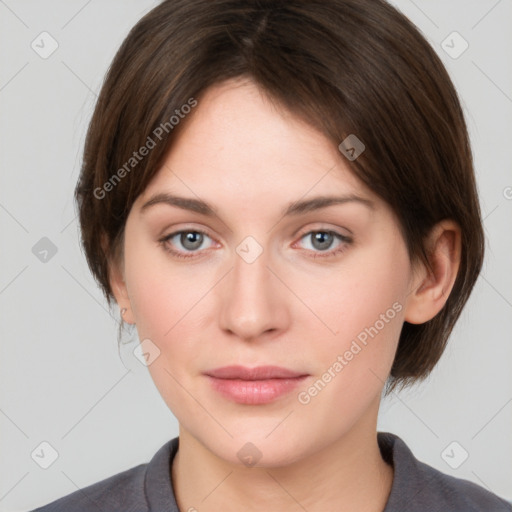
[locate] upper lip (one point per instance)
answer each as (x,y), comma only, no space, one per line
(257,373)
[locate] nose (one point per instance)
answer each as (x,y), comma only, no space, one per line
(253,302)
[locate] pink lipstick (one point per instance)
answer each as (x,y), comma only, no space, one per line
(254,386)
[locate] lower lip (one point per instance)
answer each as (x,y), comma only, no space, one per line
(254,392)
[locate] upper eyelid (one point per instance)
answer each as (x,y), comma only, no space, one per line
(321,227)
(172,234)
(296,233)
(336,231)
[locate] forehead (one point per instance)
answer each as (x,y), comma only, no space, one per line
(239,144)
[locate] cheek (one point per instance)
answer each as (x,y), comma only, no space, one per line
(161,293)
(364,308)
(361,307)
(167,302)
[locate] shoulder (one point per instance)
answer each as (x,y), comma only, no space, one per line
(420,488)
(141,488)
(112,493)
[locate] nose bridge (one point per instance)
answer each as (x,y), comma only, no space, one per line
(251,303)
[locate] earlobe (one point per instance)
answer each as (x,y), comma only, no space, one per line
(120,291)
(127,316)
(432,287)
(118,287)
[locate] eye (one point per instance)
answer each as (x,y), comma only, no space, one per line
(321,242)
(191,240)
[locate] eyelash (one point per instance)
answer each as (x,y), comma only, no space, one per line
(318,254)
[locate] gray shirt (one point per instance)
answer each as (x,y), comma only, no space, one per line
(417,487)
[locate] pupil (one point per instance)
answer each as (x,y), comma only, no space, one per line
(321,238)
(191,240)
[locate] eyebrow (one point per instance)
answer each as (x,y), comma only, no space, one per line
(295,208)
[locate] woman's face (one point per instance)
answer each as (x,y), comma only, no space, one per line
(318,291)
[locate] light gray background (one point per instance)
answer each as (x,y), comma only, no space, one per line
(62,380)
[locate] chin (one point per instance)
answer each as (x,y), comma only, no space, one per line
(252,448)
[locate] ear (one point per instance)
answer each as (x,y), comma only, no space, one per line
(431,288)
(118,287)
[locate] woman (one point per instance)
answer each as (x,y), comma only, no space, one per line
(280,196)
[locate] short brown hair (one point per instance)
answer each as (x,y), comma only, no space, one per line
(345,67)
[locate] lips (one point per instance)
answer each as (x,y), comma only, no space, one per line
(258,373)
(254,386)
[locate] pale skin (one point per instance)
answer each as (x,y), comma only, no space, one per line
(291,307)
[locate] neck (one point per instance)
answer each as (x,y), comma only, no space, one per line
(348,474)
